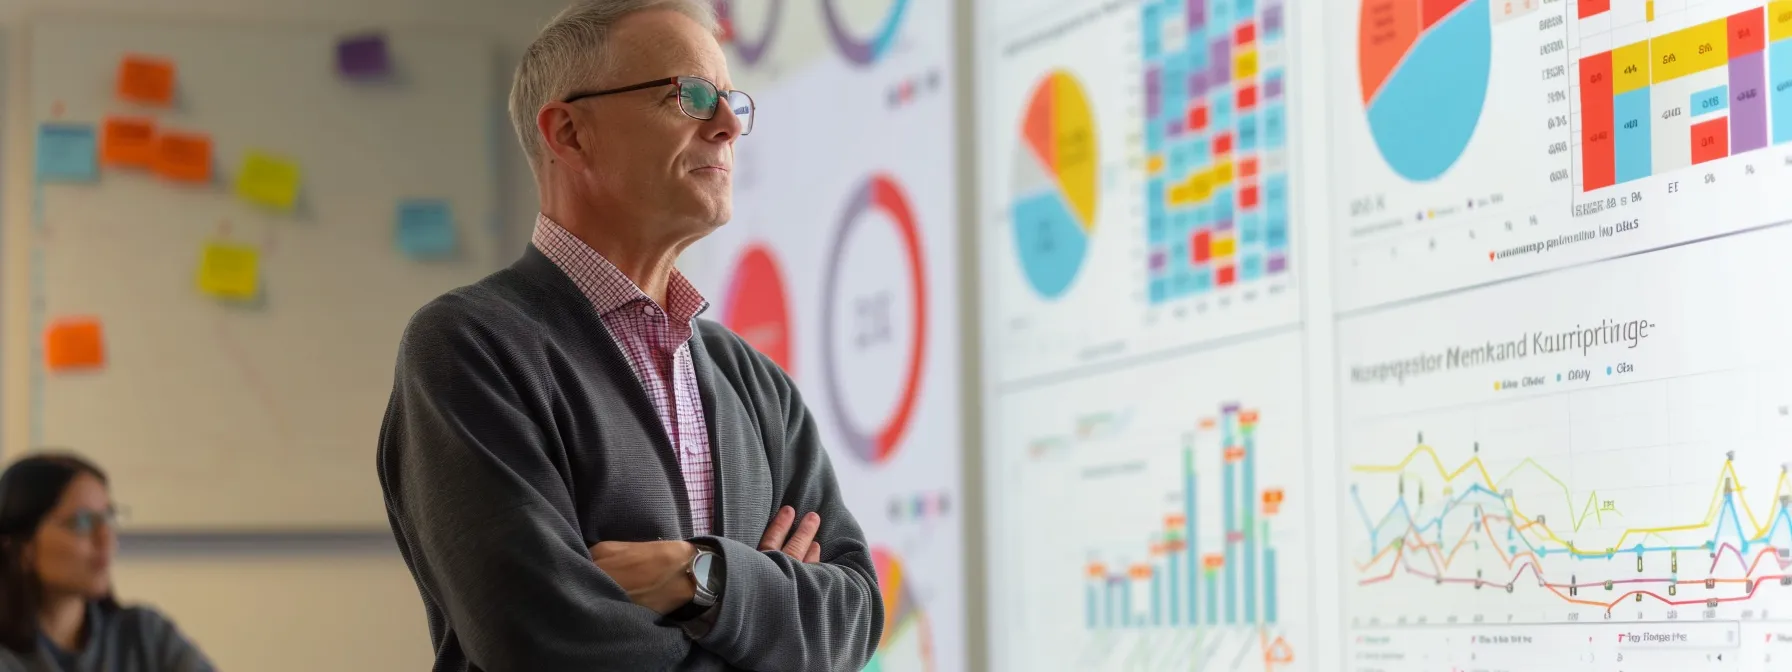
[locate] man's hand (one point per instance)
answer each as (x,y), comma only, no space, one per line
(653,572)
(800,545)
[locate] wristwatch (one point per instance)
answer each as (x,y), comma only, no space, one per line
(707,574)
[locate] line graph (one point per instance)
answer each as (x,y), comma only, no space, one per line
(1528,540)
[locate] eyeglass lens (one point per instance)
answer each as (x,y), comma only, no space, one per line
(84,522)
(700,100)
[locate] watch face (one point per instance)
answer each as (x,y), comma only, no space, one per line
(700,568)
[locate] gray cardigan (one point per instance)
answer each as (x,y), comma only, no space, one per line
(517,436)
(130,639)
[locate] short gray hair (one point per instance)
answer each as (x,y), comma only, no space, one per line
(571,50)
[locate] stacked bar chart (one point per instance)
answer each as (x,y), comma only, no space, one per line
(1216,142)
(1177,583)
(1687,97)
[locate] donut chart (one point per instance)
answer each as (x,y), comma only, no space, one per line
(751,52)
(880,193)
(1424,68)
(863,50)
(1055,190)
(757,305)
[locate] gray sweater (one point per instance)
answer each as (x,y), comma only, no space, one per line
(131,639)
(517,437)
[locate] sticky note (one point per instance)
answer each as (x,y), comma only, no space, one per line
(146,80)
(425,228)
(268,180)
(363,56)
(230,271)
(128,142)
(73,344)
(184,157)
(67,153)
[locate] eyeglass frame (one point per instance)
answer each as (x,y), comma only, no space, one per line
(677,80)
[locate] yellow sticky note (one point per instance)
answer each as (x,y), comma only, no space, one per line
(268,180)
(229,271)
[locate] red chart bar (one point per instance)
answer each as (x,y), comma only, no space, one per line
(1594,7)
(1599,156)
(1710,140)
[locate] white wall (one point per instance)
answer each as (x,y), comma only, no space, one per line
(269,605)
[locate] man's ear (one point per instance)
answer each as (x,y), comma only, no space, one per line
(560,138)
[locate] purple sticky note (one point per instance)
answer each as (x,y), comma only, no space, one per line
(363,56)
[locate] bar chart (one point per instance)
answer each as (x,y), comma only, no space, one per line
(1181,584)
(1161,531)
(1682,98)
(1216,137)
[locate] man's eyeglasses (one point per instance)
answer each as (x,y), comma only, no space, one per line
(84,522)
(697,97)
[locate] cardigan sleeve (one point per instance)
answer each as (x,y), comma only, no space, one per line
(486,520)
(777,612)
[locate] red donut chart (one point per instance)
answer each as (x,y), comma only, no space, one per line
(881,193)
(757,307)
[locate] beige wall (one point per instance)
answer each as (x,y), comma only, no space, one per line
(270,604)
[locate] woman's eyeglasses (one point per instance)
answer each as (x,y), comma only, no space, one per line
(84,522)
(698,98)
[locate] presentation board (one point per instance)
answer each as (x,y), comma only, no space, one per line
(1506,390)
(231,226)
(841,264)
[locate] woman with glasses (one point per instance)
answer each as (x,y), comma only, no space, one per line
(57,612)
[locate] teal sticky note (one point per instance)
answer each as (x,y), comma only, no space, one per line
(67,153)
(426,228)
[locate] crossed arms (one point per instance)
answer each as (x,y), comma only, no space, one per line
(485,521)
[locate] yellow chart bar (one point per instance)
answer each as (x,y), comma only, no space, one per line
(1779,20)
(1630,68)
(1696,49)
(1649,10)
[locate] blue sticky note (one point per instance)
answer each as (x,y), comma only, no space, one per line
(426,228)
(67,153)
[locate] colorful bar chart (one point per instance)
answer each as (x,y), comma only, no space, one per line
(1236,586)
(1688,97)
(1216,139)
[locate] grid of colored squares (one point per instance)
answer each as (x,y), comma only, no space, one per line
(1216,137)
(1716,89)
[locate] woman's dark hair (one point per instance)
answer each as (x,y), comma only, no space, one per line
(29,490)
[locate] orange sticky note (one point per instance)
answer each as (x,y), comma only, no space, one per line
(184,157)
(147,80)
(128,141)
(74,343)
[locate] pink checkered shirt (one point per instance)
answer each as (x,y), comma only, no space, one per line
(657,345)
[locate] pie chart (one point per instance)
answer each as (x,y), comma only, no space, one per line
(907,642)
(1054,185)
(757,306)
(1423,66)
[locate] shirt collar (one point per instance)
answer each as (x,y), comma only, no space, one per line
(606,286)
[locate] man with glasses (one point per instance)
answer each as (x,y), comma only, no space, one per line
(580,473)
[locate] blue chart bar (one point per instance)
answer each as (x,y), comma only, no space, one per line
(1231,513)
(1125,591)
(1188,513)
(1213,615)
(1630,114)
(1157,611)
(1779,68)
(1249,527)
(1091,600)
(1269,585)
(1111,598)
(1175,590)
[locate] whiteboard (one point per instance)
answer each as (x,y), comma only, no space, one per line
(221,416)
